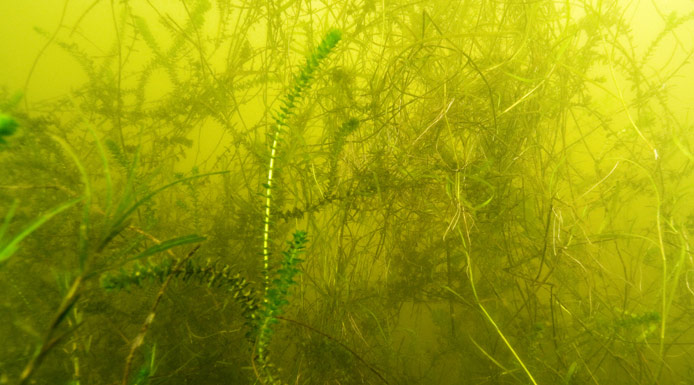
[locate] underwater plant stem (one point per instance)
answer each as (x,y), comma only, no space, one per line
(137,342)
(624,104)
(664,310)
(333,339)
(488,316)
(449,279)
(119,98)
(301,83)
(268,212)
(665,299)
(48,341)
(41,52)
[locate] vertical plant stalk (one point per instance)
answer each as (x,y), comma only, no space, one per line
(276,298)
(286,110)
(486,313)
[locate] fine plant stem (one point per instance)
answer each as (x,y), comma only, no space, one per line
(665,301)
(137,342)
(333,339)
(49,342)
(488,316)
(42,51)
(624,104)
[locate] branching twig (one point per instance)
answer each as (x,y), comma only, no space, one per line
(137,342)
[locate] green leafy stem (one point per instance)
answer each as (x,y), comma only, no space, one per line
(286,111)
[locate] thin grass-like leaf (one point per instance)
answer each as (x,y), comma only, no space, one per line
(184,240)
(8,219)
(84,227)
(117,225)
(12,246)
(107,171)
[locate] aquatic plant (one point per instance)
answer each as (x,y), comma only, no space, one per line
(260,318)
(8,126)
(286,111)
(478,181)
(276,298)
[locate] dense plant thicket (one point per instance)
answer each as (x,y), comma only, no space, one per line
(357,192)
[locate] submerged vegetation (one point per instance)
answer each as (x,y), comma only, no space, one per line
(359,192)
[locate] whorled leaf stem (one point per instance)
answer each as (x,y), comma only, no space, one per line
(286,110)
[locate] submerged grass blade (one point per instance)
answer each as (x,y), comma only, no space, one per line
(12,246)
(117,224)
(84,226)
(166,245)
(8,219)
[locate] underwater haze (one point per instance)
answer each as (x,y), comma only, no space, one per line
(347,192)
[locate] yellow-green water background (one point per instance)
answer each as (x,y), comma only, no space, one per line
(544,149)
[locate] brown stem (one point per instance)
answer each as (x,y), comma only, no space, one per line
(137,342)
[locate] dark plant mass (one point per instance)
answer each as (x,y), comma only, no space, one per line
(348,192)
